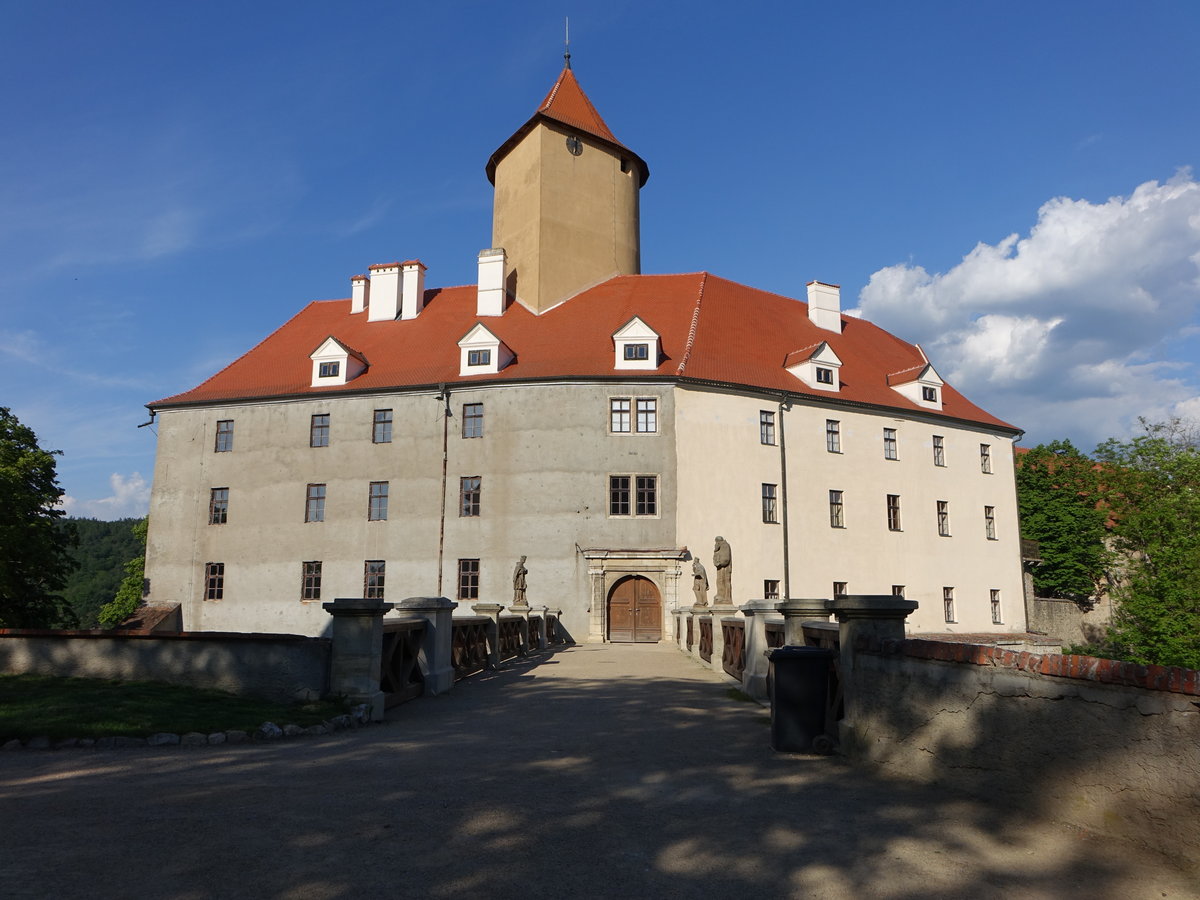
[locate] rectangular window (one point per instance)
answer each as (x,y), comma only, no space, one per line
(893,512)
(374,572)
(948,603)
(619,495)
(985,459)
(310,580)
(214,581)
(637,351)
(224,442)
(766,427)
(318,430)
(314,503)
(469,490)
(839,589)
(768,503)
(989,522)
(377,501)
(897,590)
(939,450)
(479,357)
(618,410)
(833,435)
(381,431)
(472,426)
(997,616)
(928,394)
(837,514)
(468,579)
(329,370)
(824,376)
(218,506)
(943,517)
(647,495)
(889,444)
(771,589)
(647,415)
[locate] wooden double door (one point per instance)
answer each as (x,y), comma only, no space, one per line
(635,611)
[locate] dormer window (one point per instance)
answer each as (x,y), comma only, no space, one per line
(920,384)
(333,363)
(817,366)
(637,346)
(929,394)
(482,353)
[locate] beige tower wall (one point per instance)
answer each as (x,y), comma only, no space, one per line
(566,222)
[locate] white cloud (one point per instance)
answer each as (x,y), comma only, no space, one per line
(1065,332)
(130,498)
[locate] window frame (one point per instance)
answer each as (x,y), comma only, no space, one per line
(939,451)
(824,375)
(837,509)
(898,591)
(374,579)
(841,588)
(766,427)
(770,588)
(468,579)
(943,518)
(997,610)
(218,506)
(223,439)
(646,420)
(636,352)
(329,369)
(891,444)
(645,499)
(985,458)
(833,435)
(318,430)
(632,496)
(770,503)
(620,415)
(214,581)
(377,501)
(381,427)
(895,523)
(948,606)
(314,502)
(310,581)
(989,522)
(479,357)
(472,426)
(929,394)
(470,496)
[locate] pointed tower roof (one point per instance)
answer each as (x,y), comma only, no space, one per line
(567,104)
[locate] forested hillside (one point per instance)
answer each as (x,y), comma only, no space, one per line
(103,549)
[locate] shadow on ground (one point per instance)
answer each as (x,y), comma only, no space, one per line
(597,771)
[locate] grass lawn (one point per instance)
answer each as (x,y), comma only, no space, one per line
(34,705)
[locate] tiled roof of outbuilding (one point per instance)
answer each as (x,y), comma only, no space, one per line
(711,329)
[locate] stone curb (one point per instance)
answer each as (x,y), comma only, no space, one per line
(266,732)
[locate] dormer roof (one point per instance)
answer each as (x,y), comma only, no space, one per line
(820,352)
(567,105)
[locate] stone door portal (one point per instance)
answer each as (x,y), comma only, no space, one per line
(635,611)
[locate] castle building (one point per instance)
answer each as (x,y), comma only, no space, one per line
(605,424)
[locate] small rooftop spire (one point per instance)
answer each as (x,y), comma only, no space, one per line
(567,34)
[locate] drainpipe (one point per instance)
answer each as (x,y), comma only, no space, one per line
(784,405)
(444,396)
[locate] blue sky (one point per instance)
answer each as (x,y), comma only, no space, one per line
(1014,186)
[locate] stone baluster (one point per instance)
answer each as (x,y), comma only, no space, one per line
(492,611)
(754,675)
(436,659)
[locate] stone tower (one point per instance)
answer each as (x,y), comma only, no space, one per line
(565,209)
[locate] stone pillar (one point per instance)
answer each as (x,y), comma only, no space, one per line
(492,611)
(796,612)
(522,612)
(357,651)
(754,676)
(719,613)
(437,664)
(538,639)
(875,616)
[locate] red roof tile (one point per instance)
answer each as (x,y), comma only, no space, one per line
(711,329)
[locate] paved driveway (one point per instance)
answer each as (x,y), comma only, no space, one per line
(594,771)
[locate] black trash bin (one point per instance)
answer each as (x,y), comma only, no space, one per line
(799,692)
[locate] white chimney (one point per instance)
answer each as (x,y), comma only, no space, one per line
(360,291)
(491,282)
(413,282)
(825,305)
(385,292)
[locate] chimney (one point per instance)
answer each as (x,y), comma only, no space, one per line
(385,292)
(491,282)
(413,282)
(825,305)
(360,293)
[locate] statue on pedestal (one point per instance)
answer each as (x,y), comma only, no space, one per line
(519,574)
(723,560)
(699,583)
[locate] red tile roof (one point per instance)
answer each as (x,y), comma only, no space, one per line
(567,104)
(711,330)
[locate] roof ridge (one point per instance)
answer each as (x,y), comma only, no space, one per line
(691,338)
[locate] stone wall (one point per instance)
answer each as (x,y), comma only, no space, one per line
(1109,746)
(281,667)
(1067,621)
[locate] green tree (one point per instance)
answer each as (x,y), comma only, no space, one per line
(129,594)
(1153,487)
(102,551)
(34,551)
(1058,495)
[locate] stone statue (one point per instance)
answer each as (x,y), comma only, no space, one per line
(519,574)
(699,583)
(723,560)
